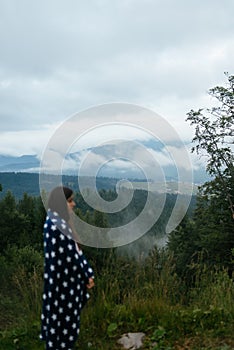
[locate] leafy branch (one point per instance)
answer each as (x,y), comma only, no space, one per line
(214,135)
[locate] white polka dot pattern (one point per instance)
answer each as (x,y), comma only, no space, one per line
(66,274)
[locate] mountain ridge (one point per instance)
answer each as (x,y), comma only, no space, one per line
(31,164)
(23,182)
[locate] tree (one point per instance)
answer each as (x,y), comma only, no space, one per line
(13,224)
(99,219)
(183,242)
(208,238)
(214,137)
(32,208)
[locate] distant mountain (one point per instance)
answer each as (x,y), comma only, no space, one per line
(23,163)
(20,183)
(113,159)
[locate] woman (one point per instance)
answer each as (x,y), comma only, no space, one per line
(67,275)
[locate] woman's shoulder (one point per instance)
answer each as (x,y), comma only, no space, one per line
(54,223)
(51,220)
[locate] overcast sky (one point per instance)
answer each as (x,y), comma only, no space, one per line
(61,57)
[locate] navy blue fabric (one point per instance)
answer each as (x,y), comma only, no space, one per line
(66,273)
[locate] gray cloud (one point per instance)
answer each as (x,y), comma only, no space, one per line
(60,57)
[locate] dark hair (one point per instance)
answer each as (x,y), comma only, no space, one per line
(58,201)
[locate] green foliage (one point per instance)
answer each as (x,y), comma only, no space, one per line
(22,338)
(99,219)
(112,329)
(207,238)
(214,136)
(27,258)
(12,223)
(158,339)
(21,222)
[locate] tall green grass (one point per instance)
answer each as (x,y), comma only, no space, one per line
(148,296)
(135,295)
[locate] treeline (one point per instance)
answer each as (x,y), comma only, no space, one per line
(21,228)
(22,182)
(21,220)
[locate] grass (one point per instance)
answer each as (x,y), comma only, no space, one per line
(131,296)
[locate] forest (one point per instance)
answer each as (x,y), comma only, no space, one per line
(22,182)
(181,295)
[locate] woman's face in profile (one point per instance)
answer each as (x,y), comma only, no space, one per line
(71,203)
